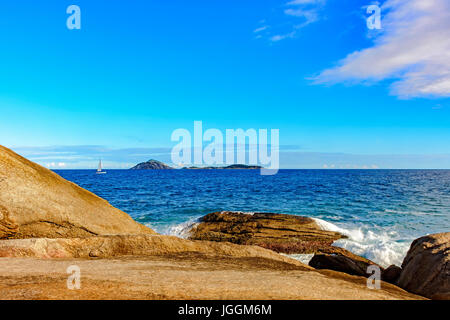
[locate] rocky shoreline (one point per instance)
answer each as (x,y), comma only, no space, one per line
(48,223)
(425,269)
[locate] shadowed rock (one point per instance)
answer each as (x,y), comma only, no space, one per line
(391,274)
(36,202)
(343,261)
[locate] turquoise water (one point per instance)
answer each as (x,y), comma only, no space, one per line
(381,211)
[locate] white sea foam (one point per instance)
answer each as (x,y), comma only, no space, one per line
(182,230)
(241,212)
(304,258)
(379,246)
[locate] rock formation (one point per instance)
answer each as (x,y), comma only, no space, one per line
(278,232)
(426,267)
(343,261)
(36,203)
(151,165)
(130,245)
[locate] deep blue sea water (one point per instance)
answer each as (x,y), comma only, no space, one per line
(381,211)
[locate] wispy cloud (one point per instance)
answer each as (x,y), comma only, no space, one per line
(304,11)
(413,50)
(257,30)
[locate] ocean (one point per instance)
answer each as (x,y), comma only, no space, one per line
(381,211)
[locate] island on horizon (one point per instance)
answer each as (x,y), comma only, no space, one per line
(158,165)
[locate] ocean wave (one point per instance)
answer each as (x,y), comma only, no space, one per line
(181,230)
(377,245)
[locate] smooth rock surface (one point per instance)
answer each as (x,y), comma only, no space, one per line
(36,202)
(189,275)
(129,245)
(426,267)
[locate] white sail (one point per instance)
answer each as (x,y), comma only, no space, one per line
(99,170)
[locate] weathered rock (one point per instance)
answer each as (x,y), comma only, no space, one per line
(113,246)
(278,232)
(391,274)
(426,267)
(151,165)
(36,202)
(164,267)
(188,276)
(343,261)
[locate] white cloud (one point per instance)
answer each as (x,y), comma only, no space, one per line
(280,37)
(260,29)
(413,49)
(305,10)
(310,16)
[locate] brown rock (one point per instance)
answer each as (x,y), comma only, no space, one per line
(391,274)
(343,261)
(163,267)
(36,202)
(106,247)
(278,232)
(426,267)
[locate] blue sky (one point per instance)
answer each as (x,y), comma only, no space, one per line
(340,94)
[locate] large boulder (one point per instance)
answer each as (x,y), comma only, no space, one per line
(426,267)
(343,261)
(278,232)
(37,203)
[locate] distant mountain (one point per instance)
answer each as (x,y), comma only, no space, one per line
(151,165)
(233,166)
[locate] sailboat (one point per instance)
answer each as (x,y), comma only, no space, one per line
(99,170)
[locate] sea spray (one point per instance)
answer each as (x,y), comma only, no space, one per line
(182,230)
(382,247)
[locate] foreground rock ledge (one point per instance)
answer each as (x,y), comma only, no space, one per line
(37,203)
(279,232)
(163,267)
